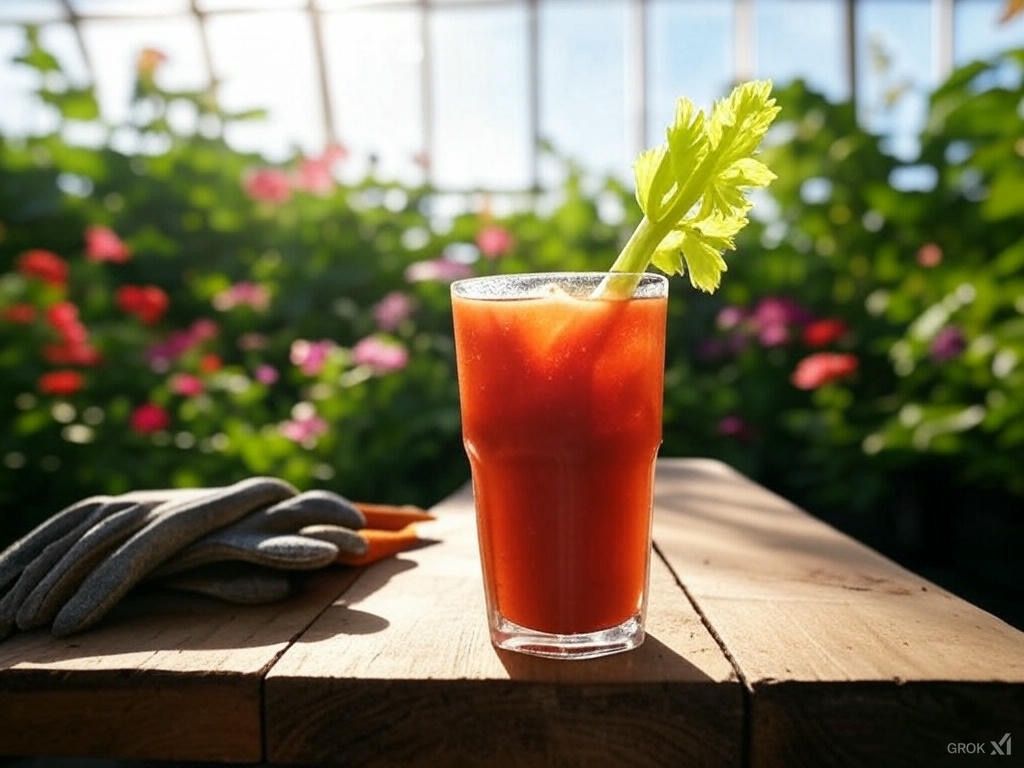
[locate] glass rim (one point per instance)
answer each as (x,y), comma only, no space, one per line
(463,288)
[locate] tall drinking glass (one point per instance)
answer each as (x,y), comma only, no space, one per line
(561,398)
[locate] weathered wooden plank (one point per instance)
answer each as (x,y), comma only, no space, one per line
(165,677)
(401,671)
(849,658)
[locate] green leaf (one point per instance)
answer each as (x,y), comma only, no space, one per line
(74,103)
(653,181)
(687,141)
(668,256)
(704,261)
(692,190)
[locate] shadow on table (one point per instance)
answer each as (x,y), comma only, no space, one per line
(651,662)
(150,621)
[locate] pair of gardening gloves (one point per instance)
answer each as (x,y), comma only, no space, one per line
(236,543)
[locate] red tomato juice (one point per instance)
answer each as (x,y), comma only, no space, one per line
(561,418)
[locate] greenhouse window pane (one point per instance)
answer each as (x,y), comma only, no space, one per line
(977,33)
(479,85)
(373,65)
(690,55)
(265,60)
(23,113)
(583,82)
(115,45)
(30,10)
(248,5)
(129,7)
(895,55)
(802,39)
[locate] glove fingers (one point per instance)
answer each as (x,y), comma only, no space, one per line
(309,508)
(18,555)
(286,552)
(241,584)
(114,525)
(348,542)
(175,525)
(45,561)
(164,495)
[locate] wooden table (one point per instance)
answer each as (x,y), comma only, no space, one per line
(773,640)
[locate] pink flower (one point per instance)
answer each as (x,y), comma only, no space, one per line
(948,344)
(823,368)
(929,255)
(103,244)
(177,343)
(314,176)
(310,356)
(380,354)
(734,426)
(335,153)
(268,185)
(244,293)
(781,309)
(773,317)
(186,384)
(391,311)
(440,269)
(422,159)
(266,374)
(149,418)
(729,317)
(304,429)
(494,241)
(203,329)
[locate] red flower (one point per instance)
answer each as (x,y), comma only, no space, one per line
(44,265)
(22,314)
(929,255)
(147,302)
(71,354)
(60,382)
(74,347)
(210,363)
(149,418)
(494,241)
(823,368)
(63,316)
(268,185)
(821,333)
(103,244)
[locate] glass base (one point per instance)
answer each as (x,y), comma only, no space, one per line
(510,636)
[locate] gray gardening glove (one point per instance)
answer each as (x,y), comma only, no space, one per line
(75,567)
(304,532)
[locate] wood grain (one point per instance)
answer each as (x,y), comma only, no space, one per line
(168,676)
(401,671)
(849,658)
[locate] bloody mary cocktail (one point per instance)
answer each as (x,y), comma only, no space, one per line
(561,401)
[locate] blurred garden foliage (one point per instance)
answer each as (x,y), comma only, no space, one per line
(186,314)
